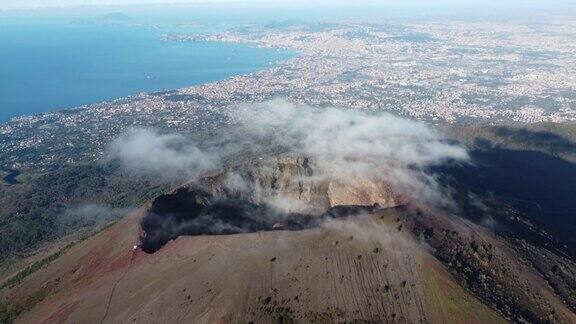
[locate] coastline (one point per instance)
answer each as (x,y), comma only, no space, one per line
(167,66)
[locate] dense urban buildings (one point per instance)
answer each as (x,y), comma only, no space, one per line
(455,72)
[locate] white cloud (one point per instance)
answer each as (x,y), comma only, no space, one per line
(145,151)
(344,145)
(349,144)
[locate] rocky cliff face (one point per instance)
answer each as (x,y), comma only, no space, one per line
(281,193)
(295,184)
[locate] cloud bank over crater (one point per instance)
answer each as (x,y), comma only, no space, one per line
(352,144)
(343,144)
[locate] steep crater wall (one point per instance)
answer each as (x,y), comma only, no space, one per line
(195,212)
(283,193)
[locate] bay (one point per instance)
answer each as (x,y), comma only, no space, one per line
(51,65)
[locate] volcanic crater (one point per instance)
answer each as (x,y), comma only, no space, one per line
(277,194)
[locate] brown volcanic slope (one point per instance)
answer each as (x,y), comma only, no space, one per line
(390,264)
(324,273)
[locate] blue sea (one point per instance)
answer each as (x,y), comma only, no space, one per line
(54,64)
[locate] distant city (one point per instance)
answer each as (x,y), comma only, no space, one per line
(441,72)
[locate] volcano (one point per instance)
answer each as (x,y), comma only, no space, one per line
(268,241)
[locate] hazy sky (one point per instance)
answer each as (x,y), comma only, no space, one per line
(26,4)
(29,4)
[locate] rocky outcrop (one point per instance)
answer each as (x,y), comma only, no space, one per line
(282,193)
(295,184)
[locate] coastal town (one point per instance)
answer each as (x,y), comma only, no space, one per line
(439,72)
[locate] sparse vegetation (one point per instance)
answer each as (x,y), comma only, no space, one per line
(33,213)
(5,316)
(8,313)
(551,138)
(20,276)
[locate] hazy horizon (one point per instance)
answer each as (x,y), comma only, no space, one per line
(25,5)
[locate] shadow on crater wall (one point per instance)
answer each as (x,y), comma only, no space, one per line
(192,211)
